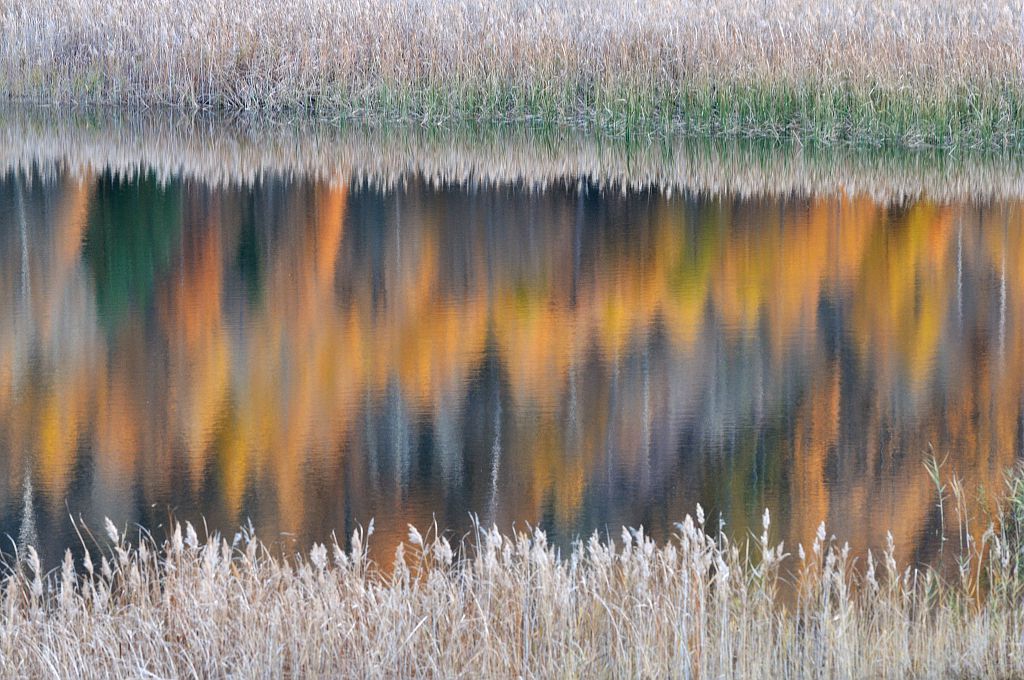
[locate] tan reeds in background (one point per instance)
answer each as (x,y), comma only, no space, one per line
(939,72)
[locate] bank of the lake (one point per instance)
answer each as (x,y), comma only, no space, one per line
(944,74)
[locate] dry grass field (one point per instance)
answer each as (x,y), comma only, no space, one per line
(942,73)
(514,606)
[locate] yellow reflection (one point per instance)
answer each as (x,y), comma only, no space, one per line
(838,318)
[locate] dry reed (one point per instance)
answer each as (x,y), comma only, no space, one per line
(943,73)
(514,606)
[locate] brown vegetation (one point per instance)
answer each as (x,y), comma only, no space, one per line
(946,73)
(513,606)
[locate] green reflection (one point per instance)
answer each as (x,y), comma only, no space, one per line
(132,234)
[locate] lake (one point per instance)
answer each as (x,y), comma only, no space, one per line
(230,323)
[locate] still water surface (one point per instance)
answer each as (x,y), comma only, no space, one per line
(313,354)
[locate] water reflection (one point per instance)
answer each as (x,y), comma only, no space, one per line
(313,354)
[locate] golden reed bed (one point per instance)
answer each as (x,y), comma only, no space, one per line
(514,606)
(235,150)
(943,72)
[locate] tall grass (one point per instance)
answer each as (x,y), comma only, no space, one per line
(514,606)
(943,72)
(218,150)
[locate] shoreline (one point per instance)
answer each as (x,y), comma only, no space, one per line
(219,149)
(822,117)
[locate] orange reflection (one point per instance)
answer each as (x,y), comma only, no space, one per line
(549,358)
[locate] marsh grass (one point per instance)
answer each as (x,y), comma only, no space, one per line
(945,73)
(219,150)
(493,605)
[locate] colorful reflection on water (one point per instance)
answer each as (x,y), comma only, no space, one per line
(312,355)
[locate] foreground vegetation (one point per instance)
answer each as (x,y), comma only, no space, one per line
(514,606)
(946,73)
